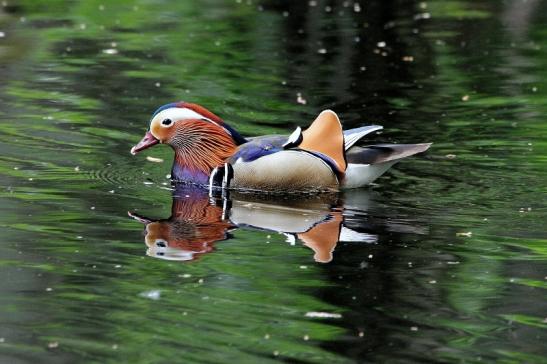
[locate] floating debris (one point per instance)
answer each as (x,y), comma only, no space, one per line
(466,234)
(53,345)
(322,51)
(422,16)
(110,51)
(154,294)
(465,97)
(2,34)
(300,99)
(450,156)
(414,328)
(408,59)
(315,314)
(154,159)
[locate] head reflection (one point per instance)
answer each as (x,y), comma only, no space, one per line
(198,220)
(192,229)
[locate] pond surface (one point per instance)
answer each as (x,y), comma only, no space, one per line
(444,259)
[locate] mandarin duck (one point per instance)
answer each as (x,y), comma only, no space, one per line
(323,157)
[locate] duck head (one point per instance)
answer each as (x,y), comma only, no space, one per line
(201,140)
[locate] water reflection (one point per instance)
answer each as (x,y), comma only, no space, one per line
(198,220)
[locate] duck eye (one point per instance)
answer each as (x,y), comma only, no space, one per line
(167,122)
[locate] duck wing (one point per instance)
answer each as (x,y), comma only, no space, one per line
(258,147)
(352,136)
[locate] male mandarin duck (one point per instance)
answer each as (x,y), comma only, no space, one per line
(322,158)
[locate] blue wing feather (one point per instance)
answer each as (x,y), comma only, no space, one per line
(259,147)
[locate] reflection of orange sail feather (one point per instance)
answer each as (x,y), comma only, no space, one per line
(323,237)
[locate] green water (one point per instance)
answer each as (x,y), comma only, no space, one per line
(448,256)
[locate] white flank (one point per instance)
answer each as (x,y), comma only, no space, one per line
(358,175)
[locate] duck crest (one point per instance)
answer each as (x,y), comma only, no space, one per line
(325,136)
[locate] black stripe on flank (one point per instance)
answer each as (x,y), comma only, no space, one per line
(332,164)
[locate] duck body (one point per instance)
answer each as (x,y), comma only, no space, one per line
(208,152)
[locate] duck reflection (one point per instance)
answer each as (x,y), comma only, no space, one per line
(198,220)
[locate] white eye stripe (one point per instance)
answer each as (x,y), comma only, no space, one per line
(176,113)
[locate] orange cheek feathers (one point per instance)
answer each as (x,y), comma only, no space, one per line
(162,134)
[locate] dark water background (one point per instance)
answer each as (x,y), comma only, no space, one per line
(448,260)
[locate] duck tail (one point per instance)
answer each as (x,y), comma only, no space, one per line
(365,164)
(380,153)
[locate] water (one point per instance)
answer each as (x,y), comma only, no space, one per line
(443,260)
